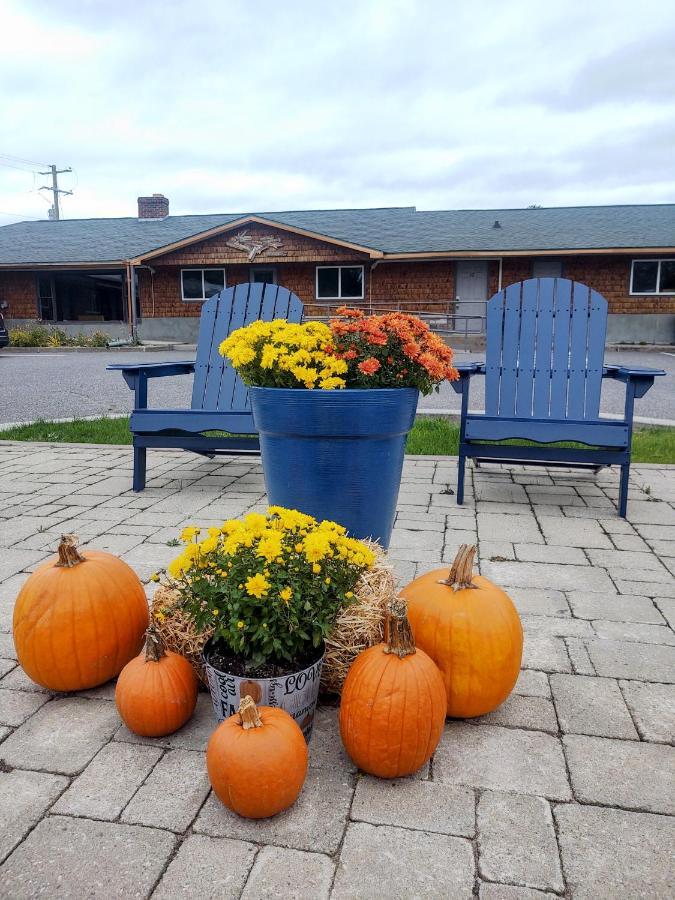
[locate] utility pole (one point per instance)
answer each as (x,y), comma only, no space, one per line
(55,212)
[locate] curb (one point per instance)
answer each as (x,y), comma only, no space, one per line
(123,348)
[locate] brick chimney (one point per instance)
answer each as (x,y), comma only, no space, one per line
(155,207)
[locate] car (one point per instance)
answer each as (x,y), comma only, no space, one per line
(4,336)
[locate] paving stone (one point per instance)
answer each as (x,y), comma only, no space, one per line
(502,759)
(651,512)
(13,561)
(653,709)
(194,735)
(62,736)
(548,553)
(7,650)
(517,711)
(614,607)
(623,659)
(630,774)
(537,602)
(315,822)
(409,803)
(593,706)
(573,533)
(516,841)
(532,684)
(283,874)
(17,680)
(109,781)
(491,891)
(542,575)
(610,853)
(557,626)
(6,666)
(548,654)
(410,864)
(17,706)
(634,631)
(492,527)
(206,867)
(649,588)
(326,749)
(74,858)
(24,797)
(173,793)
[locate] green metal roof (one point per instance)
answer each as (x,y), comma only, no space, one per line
(389,230)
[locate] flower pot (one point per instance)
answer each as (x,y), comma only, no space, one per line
(336,454)
(295,692)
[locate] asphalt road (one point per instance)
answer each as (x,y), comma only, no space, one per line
(57,385)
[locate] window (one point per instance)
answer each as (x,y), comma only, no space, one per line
(339,282)
(544,267)
(263,275)
(652,276)
(200,284)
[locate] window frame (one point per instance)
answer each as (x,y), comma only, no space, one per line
(262,268)
(548,259)
(656,293)
(340,267)
(201,269)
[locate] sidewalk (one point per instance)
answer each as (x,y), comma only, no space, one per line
(567,790)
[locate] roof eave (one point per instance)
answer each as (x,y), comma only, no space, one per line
(496,254)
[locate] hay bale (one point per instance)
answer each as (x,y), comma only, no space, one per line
(177,628)
(358,627)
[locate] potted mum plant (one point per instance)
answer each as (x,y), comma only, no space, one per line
(333,405)
(269,588)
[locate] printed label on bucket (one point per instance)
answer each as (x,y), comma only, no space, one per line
(296,693)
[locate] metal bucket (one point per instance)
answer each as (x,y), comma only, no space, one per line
(297,692)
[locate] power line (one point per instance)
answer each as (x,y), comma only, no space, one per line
(30,162)
(4,212)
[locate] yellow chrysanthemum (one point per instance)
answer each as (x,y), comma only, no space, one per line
(257,586)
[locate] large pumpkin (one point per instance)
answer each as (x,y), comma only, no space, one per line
(257,760)
(79,619)
(471,629)
(156,692)
(393,703)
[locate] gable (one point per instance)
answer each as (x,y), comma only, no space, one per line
(256,243)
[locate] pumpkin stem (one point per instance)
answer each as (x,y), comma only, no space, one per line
(248,713)
(154,645)
(399,638)
(461,572)
(69,555)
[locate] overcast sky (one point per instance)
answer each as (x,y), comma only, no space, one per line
(229,106)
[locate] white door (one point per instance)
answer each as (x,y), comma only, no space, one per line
(471,291)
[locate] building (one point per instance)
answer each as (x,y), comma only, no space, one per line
(153,272)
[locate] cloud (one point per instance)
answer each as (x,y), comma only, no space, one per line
(237,106)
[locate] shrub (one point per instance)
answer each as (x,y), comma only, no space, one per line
(41,336)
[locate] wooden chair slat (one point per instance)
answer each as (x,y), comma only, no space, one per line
(562,307)
(511,340)
(597,329)
(527,349)
(493,352)
(541,407)
(578,366)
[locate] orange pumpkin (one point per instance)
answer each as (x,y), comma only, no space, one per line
(393,703)
(471,629)
(79,619)
(156,692)
(257,760)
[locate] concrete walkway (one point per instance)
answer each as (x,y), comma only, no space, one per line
(567,790)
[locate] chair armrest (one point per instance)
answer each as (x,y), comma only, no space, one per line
(637,380)
(154,370)
(136,376)
(466,370)
(625,373)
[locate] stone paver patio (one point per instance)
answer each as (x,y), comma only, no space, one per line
(567,790)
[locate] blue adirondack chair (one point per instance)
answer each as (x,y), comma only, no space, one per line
(219,397)
(543,375)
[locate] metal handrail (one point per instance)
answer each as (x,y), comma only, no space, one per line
(441,316)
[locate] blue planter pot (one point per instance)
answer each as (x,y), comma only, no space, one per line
(336,454)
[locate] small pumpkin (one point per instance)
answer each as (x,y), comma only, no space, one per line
(472,631)
(257,760)
(79,619)
(156,692)
(393,703)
